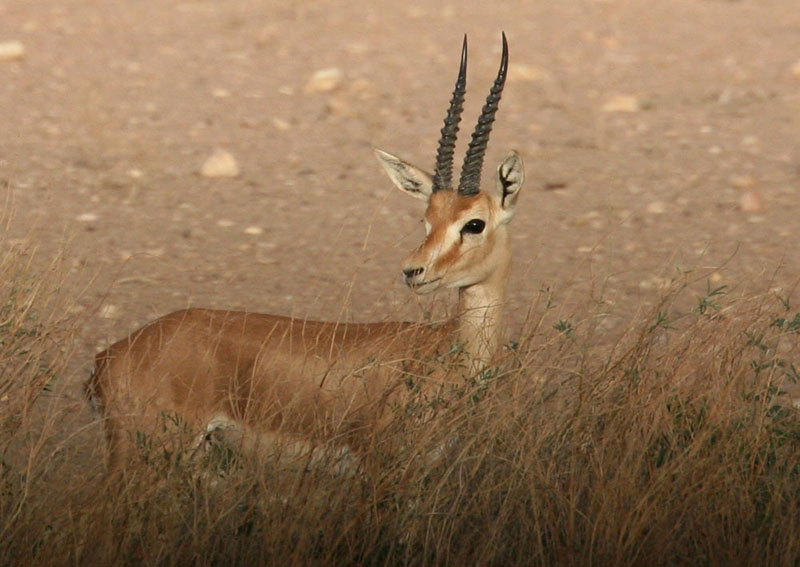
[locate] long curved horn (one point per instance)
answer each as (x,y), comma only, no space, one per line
(473,161)
(443,173)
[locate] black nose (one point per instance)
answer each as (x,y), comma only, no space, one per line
(411,272)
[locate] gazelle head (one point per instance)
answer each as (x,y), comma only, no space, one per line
(466,239)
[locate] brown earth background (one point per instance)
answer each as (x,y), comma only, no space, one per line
(658,137)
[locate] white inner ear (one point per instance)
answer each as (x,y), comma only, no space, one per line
(510,176)
(406,177)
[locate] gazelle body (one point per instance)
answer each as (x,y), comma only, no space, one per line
(292,382)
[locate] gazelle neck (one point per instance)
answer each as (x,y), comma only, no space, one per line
(480,308)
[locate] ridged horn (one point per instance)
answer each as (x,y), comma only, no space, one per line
(443,173)
(470,181)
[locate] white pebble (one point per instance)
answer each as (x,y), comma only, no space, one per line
(324,80)
(281,124)
(657,208)
(751,202)
(221,163)
(109,311)
(796,69)
(254,230)
(11,50)
(87,217)
(528,73)
(621,103)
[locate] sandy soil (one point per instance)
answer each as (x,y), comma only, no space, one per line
(658,136)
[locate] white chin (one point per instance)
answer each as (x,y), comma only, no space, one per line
(425,288)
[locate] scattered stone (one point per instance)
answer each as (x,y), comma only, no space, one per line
(742,181)
(221,163)
(621,103)
(751,202)
(656,208)
(220,93)
(109,311)
(87,217)
(796,69)
(750,140)
(254,230)
(339,106)
(11,50)
(281,124)
(135,173)
(225,223)
(363,89)
(528,73)
(655,282)
(588,219)
(324,80)
(555,184)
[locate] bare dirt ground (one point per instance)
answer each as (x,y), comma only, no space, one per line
(657,136)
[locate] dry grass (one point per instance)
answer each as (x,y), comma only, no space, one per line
(675,446)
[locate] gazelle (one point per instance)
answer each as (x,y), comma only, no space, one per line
(294,382)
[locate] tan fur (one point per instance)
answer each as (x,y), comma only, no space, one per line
(310,379)
(289,383)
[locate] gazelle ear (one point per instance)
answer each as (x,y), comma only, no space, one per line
(510,175)
(405,176)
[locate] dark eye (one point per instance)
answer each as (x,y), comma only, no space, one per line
(475,226)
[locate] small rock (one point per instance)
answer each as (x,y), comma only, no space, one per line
(254,230)
(281,124)
(796,69)
(363,89)
(220,93)
(655,282)
(751,202)
(109,311)
(586,218)
(324,80)
(11,50)
(528,73)
(750,140)
(622,103)
(656,208)
(224,223)
(87,217)
(742,181)
(339,106)
(221,163)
